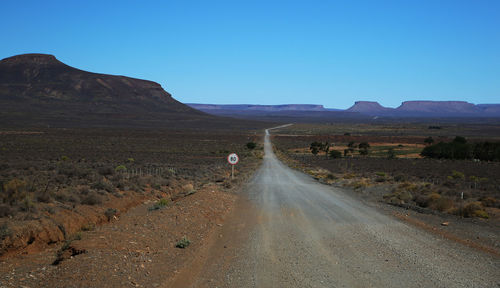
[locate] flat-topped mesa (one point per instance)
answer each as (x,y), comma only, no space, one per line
(368,107)
(438,107)
(251,107)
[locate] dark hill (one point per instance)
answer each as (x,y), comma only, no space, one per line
(38,89)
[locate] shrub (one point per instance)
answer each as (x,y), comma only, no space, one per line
(442,204)
(251,145)
(183,243)
(391,154)
(120,168)
(110,212)
(363,148)
(14,191)
(44,197)
(359,184)
(473,209)
(4,231)
(92,199)
(105,171)
(315,147)
(160,204)
(428,140)
(490,202)
(5,211)
(102,185)
(88,227)
(331,177)
(457,175)
(335,154)
(398,197)
(400,178)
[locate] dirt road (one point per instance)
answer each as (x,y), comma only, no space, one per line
(299,233)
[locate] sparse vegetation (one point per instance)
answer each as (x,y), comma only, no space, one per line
(160,204)
(335,154)
(251,145)
(110,212)
(183,243)
(4,231)
(426,183)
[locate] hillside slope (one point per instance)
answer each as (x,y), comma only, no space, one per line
(38,89)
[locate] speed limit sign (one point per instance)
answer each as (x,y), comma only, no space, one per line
(233,159)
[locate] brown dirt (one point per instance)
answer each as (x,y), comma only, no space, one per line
(138,249)
(35,235)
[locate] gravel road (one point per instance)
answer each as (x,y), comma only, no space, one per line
(312,235)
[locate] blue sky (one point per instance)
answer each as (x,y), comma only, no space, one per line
(273,52)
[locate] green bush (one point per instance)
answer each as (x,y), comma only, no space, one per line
(4,231)
(251,145)
(183,243)
(110,212)
(160,204)
(460,149)
(120,168)
(335,154)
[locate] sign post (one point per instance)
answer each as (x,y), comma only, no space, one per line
(232,159)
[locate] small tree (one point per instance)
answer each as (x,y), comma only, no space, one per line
(316,147)
(326,148)
(428,140)
(391,154)
(363,148)
(335,154)
(460,140)
(251,145)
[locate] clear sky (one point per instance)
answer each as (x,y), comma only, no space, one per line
(273,52)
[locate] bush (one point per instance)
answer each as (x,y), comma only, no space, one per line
(102,185)
(14,191)
(4,231)
(490,202)
(335,154)
(92,199)
(398,197)
(391,154)
(5,211)
(120,168)
(363,148)
(315,147)
(400,178)
(110,212)
(460,149)
(251,145)
(105,171)
(331,177)
(160,204)
(473,209)
(183,243)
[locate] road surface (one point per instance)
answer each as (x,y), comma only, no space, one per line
(305,234)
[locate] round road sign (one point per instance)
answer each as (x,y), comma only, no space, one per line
(233,159)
